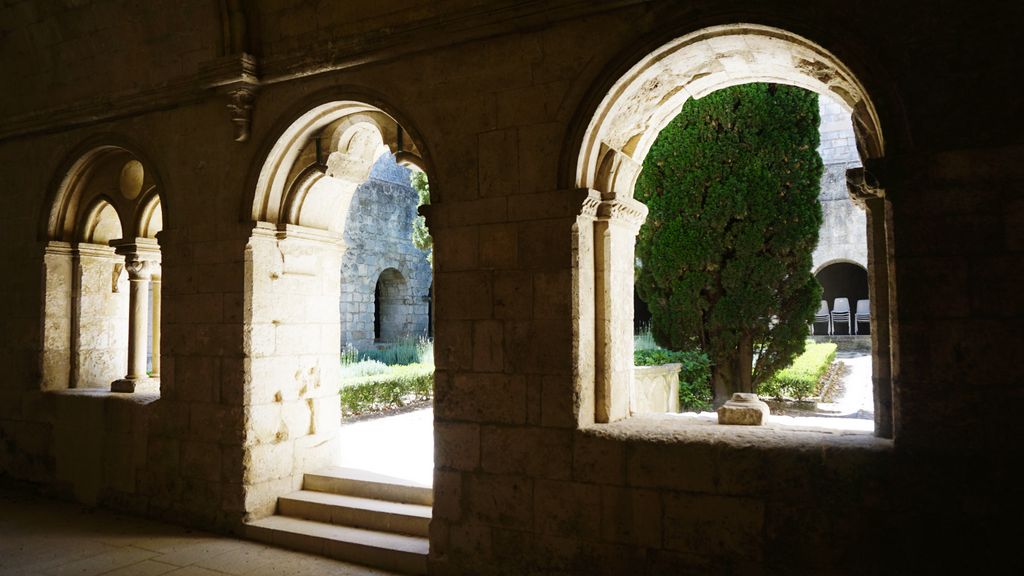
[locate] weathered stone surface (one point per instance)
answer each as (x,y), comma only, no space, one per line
(743,410)
(495,100)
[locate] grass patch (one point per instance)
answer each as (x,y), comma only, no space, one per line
(397,387)
(801,379)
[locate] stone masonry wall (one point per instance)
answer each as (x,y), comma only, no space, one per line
(378,237)
(843,233)
(495,94)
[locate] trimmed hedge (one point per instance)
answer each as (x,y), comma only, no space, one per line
(694,376)
(393,389)
(800,379)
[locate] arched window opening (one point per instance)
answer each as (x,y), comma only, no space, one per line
(621,132)
(102,273)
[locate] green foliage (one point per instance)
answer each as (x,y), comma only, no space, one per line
(802,378)
(397,387)
(694,376)
(404,351)
(732,186)
(420,234)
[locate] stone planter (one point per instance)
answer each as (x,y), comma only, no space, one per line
(655,389)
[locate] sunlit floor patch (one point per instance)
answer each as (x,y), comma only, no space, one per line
(401,446)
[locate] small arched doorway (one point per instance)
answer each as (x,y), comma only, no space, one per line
(391,311)
(844,280)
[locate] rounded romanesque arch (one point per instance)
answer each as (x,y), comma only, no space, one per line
(303,275)
(311,172)
(101,272)
(610,153)
(646,98)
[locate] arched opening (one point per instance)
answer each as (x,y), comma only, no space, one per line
(618,137)
(393,313)
(845,280)
(314,263)
(101,272)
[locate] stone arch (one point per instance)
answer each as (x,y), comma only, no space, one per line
(610,153)
(101,223)
(823,265)
(149,220)
(311,171)
(100,260)
(302,195)
(842,278)
(646,98)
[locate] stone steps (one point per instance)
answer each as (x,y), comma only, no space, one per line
(355,516)
(368,513)
(364,484)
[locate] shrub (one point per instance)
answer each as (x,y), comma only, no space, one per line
(801,378)
(400,353)
(694,376)
(393,389)
(362,368)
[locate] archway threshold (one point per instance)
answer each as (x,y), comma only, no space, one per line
(399,446)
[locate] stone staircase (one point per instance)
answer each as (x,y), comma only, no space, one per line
(355,516)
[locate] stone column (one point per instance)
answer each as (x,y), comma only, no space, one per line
(865,190)
(618,222)
(155,280)
(142,257)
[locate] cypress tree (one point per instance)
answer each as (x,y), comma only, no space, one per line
(732,185)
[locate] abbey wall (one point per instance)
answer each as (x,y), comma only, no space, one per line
(379,251)
(261,122)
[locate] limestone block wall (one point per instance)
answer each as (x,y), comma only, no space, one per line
(101,321)
(497,96)
(378,244)
(292,342)
(843,233)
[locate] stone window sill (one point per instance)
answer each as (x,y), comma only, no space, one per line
(104,394)
(778,432)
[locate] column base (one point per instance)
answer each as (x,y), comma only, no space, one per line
(129,385)
(743,410)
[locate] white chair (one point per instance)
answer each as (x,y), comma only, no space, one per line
(863,314)
(840,313)
(822,315)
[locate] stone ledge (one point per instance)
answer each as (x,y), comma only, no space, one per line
(105,394)
(695,429)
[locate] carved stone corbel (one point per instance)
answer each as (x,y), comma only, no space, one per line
(242,99)
(235,77)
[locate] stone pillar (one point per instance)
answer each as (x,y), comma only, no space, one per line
(141,258)
(865,191)
(156,283)
(618,222)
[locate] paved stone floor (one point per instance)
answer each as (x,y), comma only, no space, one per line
(40,537)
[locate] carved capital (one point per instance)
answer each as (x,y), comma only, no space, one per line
(137,268)
(862,185)
(590,204)
(625,211)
